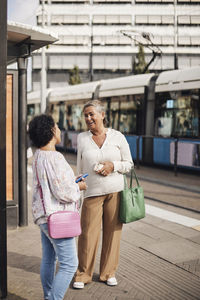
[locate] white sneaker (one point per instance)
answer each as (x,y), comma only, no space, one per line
(112,281)
(78,285)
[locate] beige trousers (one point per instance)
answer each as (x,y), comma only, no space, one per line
(97,211)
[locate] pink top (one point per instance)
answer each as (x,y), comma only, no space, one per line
(57,180)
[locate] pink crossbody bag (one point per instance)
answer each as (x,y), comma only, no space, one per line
(61,224)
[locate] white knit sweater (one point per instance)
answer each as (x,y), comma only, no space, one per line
(115,149)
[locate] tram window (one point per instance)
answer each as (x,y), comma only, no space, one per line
(58,113)
(62,116)
(75,118)
(32,110)
(54,110)
(124,114)
(177,114)
(69,118)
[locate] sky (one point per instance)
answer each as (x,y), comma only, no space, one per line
(23,11)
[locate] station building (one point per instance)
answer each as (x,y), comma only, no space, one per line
(91,36)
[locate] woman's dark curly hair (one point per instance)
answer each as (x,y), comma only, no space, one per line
(41,130)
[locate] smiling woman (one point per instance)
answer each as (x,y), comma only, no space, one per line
(104,154)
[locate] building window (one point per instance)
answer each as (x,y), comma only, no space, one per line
(68,62)
(69,19)
(188,41)
(103,40)
(112,62)
(163,40)
(74,40)
(67,1)
(154,19)
(189,1)
(112,19)
(112,1)
(189,20)
(168,40)
(154,1)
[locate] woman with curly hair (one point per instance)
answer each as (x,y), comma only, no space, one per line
(54,176)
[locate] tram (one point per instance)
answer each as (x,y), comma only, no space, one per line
(159,115)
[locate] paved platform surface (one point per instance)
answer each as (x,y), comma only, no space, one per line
(159,259)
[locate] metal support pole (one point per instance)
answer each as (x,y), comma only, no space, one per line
(138,152)
(175,156)
(3,220)
(91,54)
(43,70)
(175,36)
(22,142)
(108,112)
(175,61)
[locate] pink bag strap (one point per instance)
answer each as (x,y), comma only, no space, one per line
(39,185)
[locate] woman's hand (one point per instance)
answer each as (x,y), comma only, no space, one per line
(82,185)
(108,167)
(79,176)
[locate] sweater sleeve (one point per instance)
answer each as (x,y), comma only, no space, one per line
(126,163)
(61,179)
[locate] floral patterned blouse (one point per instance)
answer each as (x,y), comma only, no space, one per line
(57,181)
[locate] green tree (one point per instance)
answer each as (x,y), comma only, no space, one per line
(140,63)
(74,76)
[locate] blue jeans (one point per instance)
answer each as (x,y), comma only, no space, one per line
(55,285)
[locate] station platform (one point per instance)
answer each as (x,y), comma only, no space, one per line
(159,256)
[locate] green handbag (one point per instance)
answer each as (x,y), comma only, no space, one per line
(132,207)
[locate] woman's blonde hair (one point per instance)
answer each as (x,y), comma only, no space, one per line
(98,105)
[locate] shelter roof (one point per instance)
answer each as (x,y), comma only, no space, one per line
(23,39)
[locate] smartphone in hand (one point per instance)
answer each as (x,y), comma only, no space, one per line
(80,178)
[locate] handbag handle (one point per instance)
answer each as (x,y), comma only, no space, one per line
(131,180)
